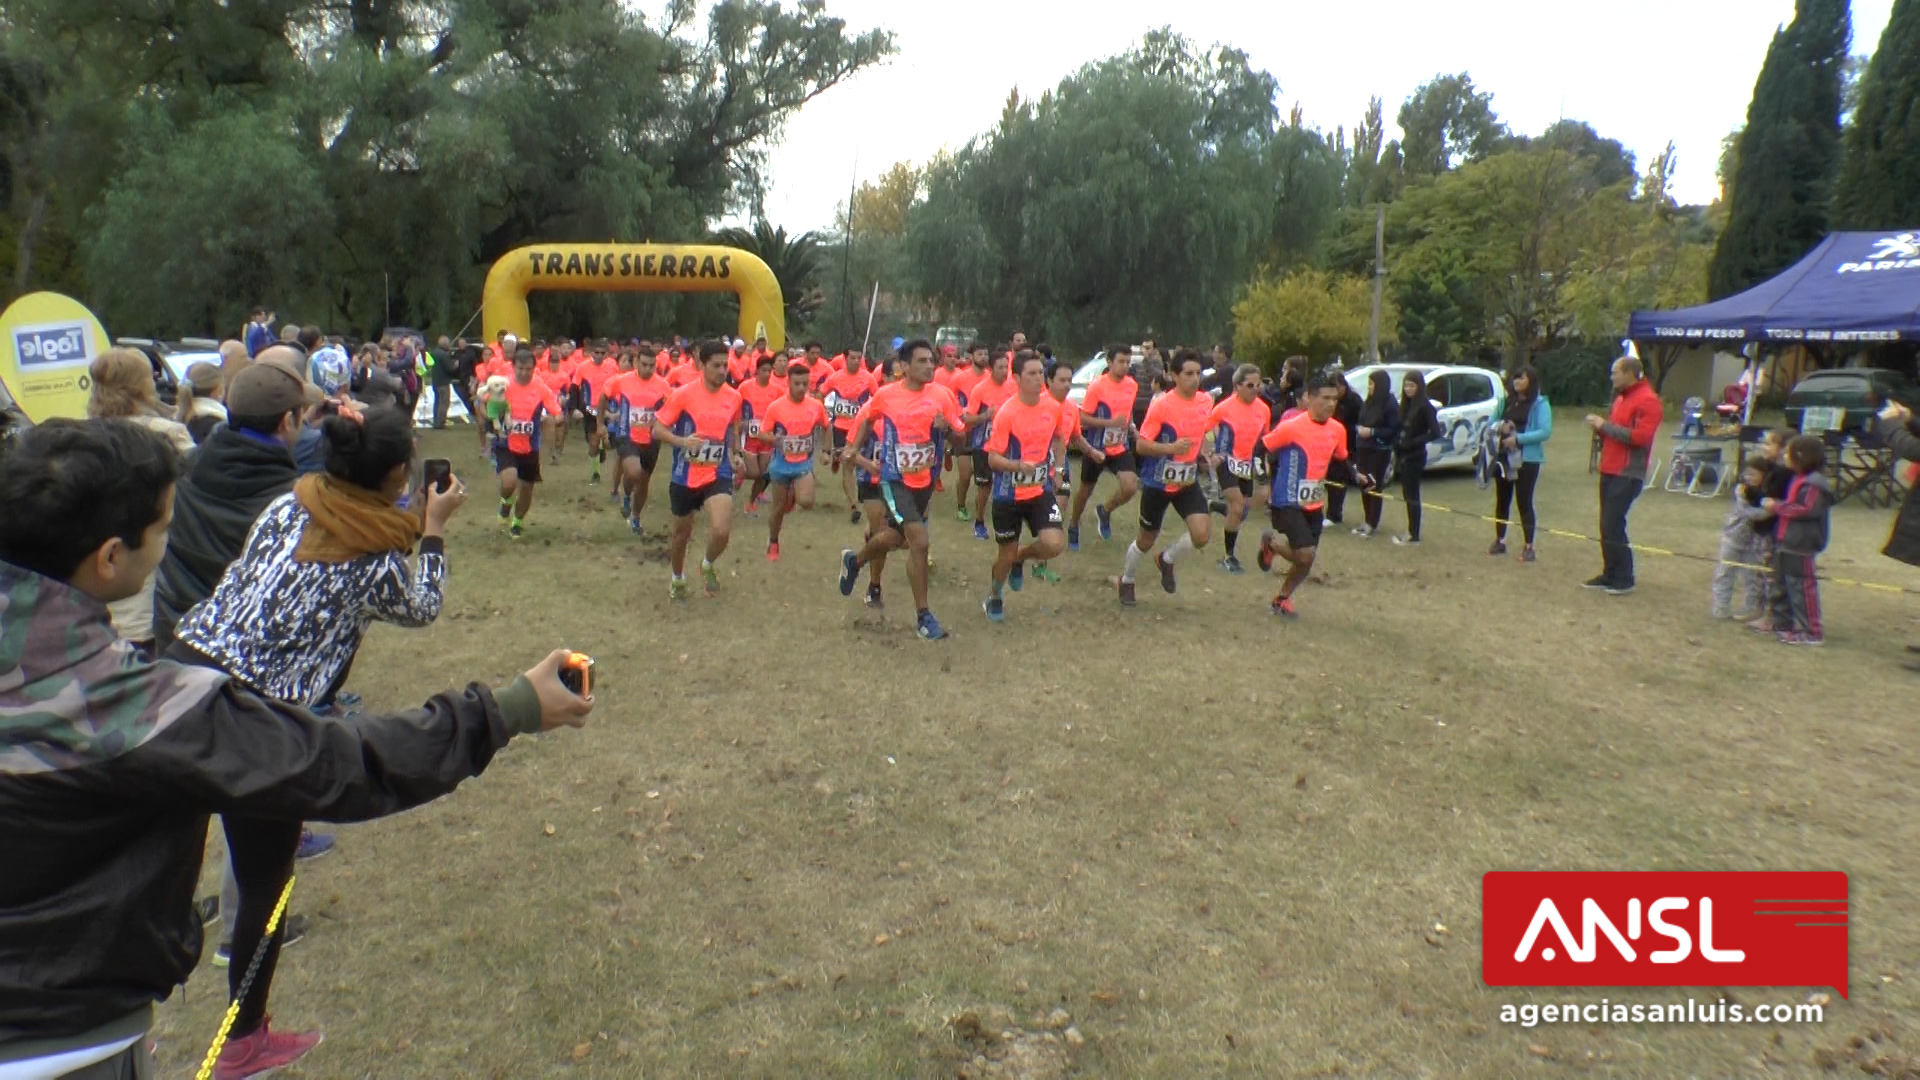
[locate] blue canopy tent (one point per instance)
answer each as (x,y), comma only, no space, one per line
(1852,287)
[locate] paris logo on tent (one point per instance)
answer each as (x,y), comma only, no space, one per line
(1904,246)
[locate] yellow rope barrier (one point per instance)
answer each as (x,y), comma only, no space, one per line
(253,969)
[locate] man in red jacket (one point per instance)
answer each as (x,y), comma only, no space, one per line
(1626,436)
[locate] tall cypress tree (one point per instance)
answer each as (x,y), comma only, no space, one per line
(1879,185)
(1789,152)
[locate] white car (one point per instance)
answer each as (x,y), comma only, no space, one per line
(1467,398)
(1083,377)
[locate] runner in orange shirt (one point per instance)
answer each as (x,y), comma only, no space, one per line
(790,424)
(698,421)
(756,453)
(844,393)
(1025,450)
(984,399)
(906,419)
(532,411)
(588,378)
(1311,445)
(1239,421)
(553,371)
(1106,416)
(629,402)
(961,382)
(1169,447)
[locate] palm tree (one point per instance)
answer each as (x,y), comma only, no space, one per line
(795,262)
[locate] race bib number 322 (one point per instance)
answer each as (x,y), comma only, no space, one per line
(914,457)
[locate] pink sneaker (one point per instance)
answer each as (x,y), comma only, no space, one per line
(262,1050)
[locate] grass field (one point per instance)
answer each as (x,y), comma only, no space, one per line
(1180,840)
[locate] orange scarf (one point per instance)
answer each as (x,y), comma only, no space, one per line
(349,521)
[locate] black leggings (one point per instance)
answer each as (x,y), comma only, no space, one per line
(262,853)
(1411,467)
(1373,462)
(1504,491)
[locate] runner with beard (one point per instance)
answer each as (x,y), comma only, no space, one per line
(1106,417)
(905,418)
(1169,448)
(983,401)
(1308,447)
(1025,451)
(698,421)
(629,401)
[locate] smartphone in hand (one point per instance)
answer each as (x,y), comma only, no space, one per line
(437,475)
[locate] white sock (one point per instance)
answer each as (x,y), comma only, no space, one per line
(1179,547)
(1134,555)
(706,564)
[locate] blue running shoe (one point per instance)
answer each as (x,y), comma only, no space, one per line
(994,607)
(849,571)
(1106,522)
(979,530)
(312,845)
(1073,538)
(929,627)
(1017,576)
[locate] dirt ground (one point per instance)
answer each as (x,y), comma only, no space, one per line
(1185,839)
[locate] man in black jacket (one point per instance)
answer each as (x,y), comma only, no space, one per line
(110,763)
(234,475)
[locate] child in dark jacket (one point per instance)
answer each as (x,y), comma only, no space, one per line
(1777,475)
(1799,534)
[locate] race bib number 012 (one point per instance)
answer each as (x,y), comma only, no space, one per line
(1032,476)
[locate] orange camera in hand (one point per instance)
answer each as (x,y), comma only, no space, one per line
(577,674)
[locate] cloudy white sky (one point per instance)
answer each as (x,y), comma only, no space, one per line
(1645,72)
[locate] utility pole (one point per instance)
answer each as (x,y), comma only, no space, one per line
(1379,275)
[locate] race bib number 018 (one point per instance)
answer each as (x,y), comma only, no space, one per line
(912,458)
(1179,473)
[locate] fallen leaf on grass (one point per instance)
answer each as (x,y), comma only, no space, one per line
(581,1051)
(549,829)
(1539,1051)
(882,939)
(1104,997)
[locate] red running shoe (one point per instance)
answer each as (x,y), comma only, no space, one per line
(261,1050)
(773,551)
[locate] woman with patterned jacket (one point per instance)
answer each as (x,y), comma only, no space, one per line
(321,564)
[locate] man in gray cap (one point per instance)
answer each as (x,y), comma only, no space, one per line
(241,468)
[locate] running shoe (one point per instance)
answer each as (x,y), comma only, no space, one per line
(1127,599)
(979,530)
(1045,573)
(313,845)
(710,578)
(1363,531)
(207,910)
(293,930)
(995,608)
(1167,582)
(626,504)
(506,509)
(1619,590)
(1801,638)
(1265,558)
(1017,576)
(962,514)
(773,551)
(613,496)
(1595,582)
(1283,607)
(513,530)
(939,484)
(594,479)
(929,627)
(874,600)
(853,517)
(1073,538)
(633,524)
(1403,540)
(1499,548)
(849,571)
(262,1050)
(1231,565)
(1106,521)
(677,588)
(1526,554)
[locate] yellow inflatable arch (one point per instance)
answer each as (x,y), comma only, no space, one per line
(633,268)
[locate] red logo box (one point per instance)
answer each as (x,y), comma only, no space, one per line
(1659,928)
